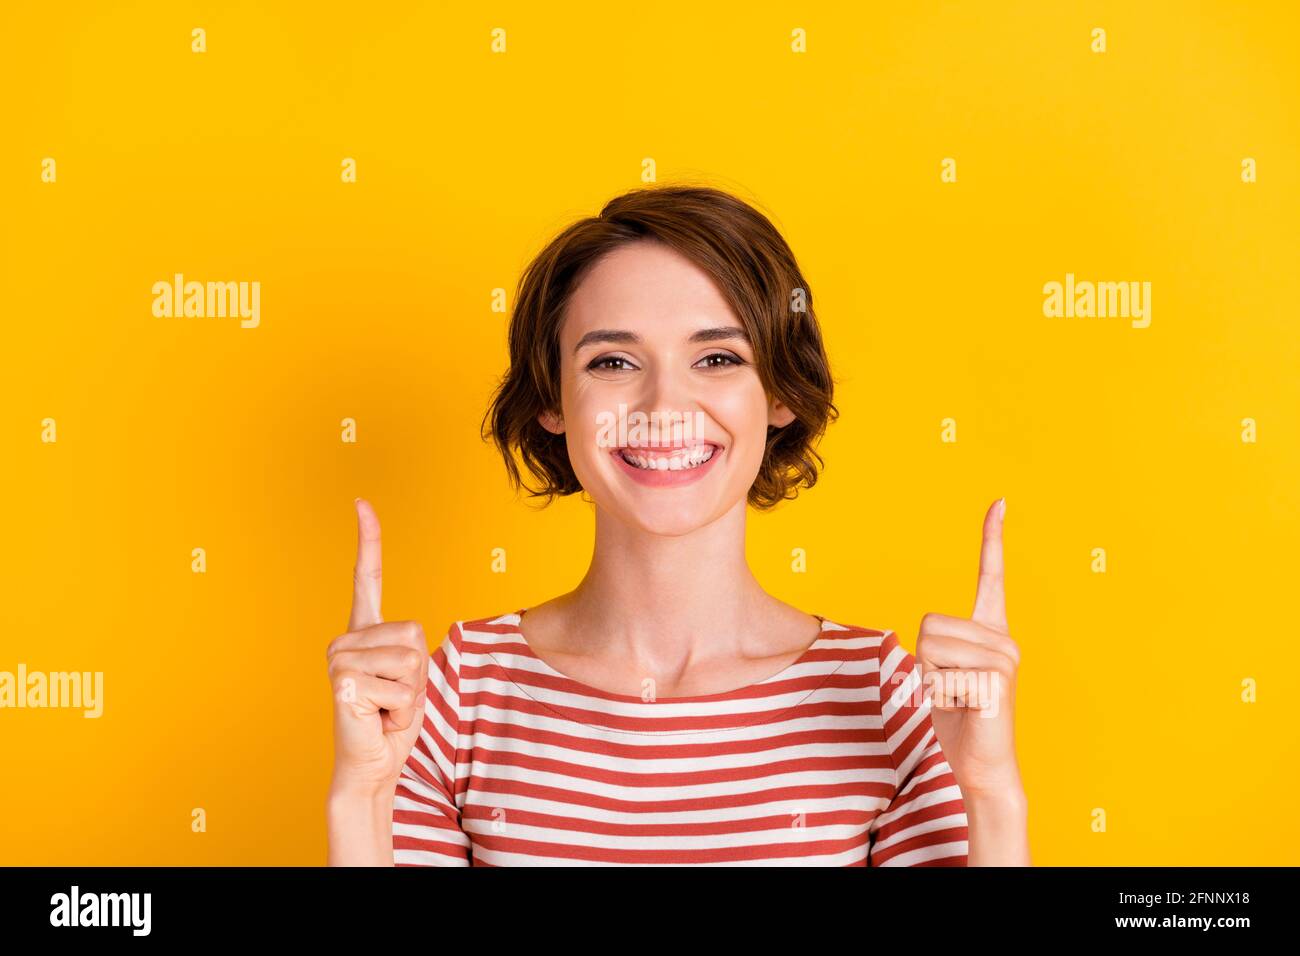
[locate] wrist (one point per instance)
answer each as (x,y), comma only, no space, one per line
(998,828)
(1006,802)
(352,793)
(359,826)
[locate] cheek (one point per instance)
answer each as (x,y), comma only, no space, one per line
(584,412)
(742,414)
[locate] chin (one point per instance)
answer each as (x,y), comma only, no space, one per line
(668,523)
(657,516)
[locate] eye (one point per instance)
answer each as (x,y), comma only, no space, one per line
(727,357)
(599,365)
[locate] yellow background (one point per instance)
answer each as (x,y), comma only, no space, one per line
(183,433)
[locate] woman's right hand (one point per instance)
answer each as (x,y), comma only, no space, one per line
(379,672)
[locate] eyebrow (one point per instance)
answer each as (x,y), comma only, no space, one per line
(624,337)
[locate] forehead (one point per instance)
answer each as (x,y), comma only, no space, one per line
(649,286)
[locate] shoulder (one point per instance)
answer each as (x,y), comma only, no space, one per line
(877,650)
(859,636)
(478,635)
(458,659)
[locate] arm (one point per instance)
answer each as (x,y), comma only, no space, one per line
(360,829)
(999,830)
(396,732)
(970,665)
(423,817)
(415,820)
(925,823)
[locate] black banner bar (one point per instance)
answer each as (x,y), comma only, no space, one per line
(696,905)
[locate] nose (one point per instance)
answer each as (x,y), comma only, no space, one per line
(667,397)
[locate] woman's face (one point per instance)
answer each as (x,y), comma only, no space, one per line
(647,330)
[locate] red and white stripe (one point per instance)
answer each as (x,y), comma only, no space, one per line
(518,765)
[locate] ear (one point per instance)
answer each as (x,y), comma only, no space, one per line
(551,422)
(778,415)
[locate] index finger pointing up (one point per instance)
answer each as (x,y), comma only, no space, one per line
(990,593)
(367,575)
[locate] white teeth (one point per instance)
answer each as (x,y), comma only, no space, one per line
(676,462)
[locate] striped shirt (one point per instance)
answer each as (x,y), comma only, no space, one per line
(831,762)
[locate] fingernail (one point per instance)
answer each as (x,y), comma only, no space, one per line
(1002,507)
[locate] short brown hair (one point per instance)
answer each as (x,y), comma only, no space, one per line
(756,273)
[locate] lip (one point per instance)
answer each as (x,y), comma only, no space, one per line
(667,478)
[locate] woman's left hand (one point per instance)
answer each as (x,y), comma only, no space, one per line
(968,669)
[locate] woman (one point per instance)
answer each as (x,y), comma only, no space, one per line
(668,710)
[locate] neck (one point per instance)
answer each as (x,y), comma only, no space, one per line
(671,599)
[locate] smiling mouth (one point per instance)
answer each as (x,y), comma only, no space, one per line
(668,459)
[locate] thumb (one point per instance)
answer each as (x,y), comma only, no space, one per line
(367,575)
(990,593)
